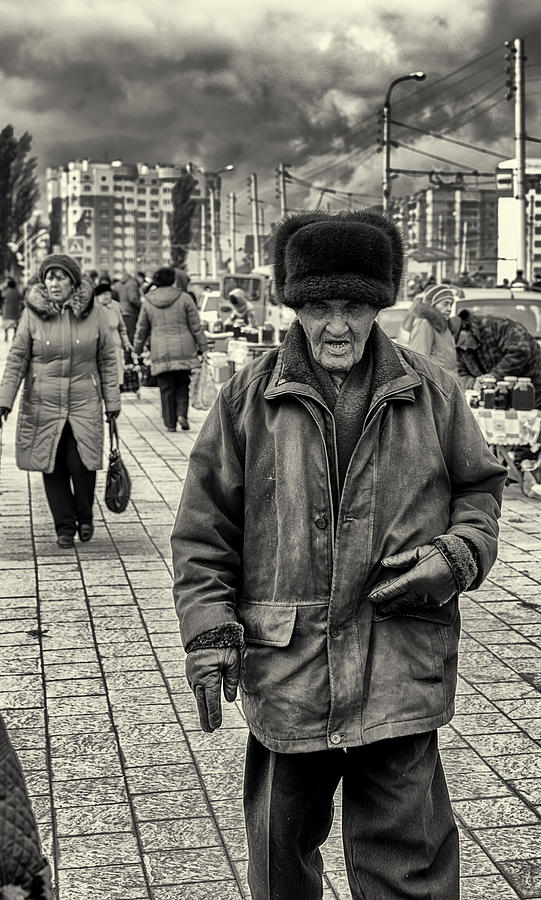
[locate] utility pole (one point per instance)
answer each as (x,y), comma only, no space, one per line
(26,252)
(520,152)
(281,187)
(233,229)
(213,260)
(255,216)
(529,273)
(203,241)
(464,247)
(458,231)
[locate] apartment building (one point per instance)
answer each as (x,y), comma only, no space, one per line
(114,215)
(508,211)
(453,226)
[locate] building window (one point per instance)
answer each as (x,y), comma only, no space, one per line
(128,190)
(104,188)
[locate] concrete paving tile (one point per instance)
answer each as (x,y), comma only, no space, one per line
(23,718)
(511,843)
(71,656)
(482,723)
(170,805)
(139,715)
(103,883)
(151,755)
(21,700)
(159,734)
(529,788)
(532,727)
(41,807)
(27,738)
(178,834)
(33,760)
(81,724)
(76,706)
(220,890)
(67,768)
(515,690)
(181,866)
(151,779)
(229,738)
(463,761)
(235,842)
(523,708)
(89,792)
(75,687)
(146,696)
(118,649)
(525,876)
(70,745)
(466,786)
(37,782)
(98,850)
(20,683)
(518,765)
(105,818)
(64,671)
(491,812)
(126,664)
(488,745)
(487,887)
(473,859)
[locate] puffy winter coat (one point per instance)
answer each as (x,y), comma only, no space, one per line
(128,295)
(171,319)
(12,304)
(499,346)
(255,542)
(430,335)
(68,363)
(119,335)
(21,862)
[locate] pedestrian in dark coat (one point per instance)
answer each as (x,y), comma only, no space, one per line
(495,345)
(64,352)
(127,290)
(12,306)
(24,872)
(169,318)
(338,499)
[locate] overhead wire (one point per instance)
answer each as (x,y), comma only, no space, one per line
(442,137)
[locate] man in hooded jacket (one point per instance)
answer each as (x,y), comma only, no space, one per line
(338,499)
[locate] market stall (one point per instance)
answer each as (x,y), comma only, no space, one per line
(505,429)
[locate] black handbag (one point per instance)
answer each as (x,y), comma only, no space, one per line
(130,384)
(118,482)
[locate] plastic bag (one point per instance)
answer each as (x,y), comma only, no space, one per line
(205,389)
(118,482)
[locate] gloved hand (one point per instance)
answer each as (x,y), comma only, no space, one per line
(430,582)
(205,670)
(4,413)
(112,414)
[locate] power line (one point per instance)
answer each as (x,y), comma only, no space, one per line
(476,110)
(443,159)
(441,137)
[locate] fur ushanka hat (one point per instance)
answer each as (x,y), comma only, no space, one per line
(350,255)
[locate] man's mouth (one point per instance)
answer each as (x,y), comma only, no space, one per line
(337,345)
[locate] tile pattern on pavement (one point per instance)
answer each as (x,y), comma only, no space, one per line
(133,801)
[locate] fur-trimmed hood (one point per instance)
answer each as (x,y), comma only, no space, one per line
(434,316)
(80,302)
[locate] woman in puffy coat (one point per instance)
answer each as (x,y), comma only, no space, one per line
(24,873)
(64,352)
(170,319)
(429,323)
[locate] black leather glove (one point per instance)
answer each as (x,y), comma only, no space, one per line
(113,414)
(430,582)
(4,413)
(205,670)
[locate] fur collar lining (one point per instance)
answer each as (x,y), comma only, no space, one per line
(80,302)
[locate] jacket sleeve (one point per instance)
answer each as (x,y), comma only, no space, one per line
(17,362)
(514,340)
(466,379)
(422,337)
(142,330)
(194,324)
(208,533)
(132,294)
(477,481)
(107,365)
(122,329)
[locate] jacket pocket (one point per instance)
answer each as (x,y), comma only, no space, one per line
(439,615)
(267,623)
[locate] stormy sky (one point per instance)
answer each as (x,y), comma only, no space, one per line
(252,82)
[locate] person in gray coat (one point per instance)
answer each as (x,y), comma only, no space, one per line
(169,318)
(64,352)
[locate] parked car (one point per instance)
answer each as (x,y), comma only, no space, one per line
(523,306)
(199,286)
(212,307)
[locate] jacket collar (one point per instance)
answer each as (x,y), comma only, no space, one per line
(80,302)
(292,373)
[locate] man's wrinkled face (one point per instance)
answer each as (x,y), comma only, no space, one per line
(337,331)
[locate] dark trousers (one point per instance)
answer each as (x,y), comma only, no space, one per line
(399,835)
(69,506)
(130,321)
(174,392)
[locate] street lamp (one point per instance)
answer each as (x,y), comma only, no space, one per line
(386,138)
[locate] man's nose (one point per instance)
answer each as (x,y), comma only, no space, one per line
(337,324)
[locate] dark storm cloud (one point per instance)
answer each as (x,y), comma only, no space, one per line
(241,83)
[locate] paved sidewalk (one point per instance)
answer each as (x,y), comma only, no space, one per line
(132,799)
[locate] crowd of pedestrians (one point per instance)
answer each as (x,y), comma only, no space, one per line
(322,435)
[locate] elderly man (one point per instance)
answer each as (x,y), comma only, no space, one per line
(338,499)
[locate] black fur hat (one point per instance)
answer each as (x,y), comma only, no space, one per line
(350,255)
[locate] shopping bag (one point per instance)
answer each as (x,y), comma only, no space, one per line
(206,390)
(147,378)
(130,384)
(118,482)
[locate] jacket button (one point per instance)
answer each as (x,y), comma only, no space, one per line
(335,631)
(321,522)
(336,737)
